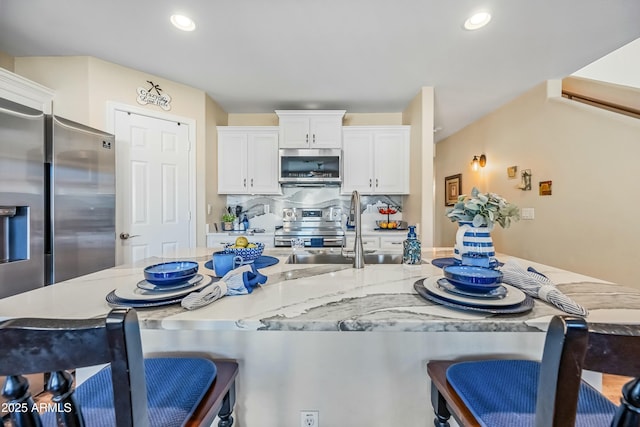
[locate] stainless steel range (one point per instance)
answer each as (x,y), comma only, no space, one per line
(318,227)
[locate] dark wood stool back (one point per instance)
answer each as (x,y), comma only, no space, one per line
(32,345)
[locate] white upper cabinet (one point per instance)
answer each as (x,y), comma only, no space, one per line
(17,89)
(376,159)
(310,128)
(248,160)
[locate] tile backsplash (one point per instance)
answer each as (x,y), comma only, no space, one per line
(266,211)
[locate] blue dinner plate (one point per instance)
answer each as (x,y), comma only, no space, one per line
(170,273)
(473,278)
(446,261)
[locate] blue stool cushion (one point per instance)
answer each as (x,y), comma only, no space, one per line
(503,393)
(174,388)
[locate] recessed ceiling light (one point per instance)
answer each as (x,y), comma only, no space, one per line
(183,23)
(478,20)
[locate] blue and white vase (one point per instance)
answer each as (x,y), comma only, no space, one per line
(473,241)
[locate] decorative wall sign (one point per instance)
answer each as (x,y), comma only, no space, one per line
(545,188)
(511,171)
(153,96)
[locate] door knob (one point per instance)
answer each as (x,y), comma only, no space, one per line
(125,236)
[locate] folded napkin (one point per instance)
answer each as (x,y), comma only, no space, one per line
(204,296)
(242,280)
(539,286)
(239,281)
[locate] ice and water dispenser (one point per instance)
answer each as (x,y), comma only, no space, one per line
(14,233)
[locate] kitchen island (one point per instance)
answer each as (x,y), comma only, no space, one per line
(350,343)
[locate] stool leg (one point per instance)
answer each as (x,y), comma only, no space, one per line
(440,408)
(226,420)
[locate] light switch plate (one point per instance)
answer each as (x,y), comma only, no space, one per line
(527,213)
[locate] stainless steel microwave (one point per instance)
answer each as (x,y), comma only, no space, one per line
(313,167)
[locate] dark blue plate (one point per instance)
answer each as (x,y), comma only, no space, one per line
(473,278)
(170,273)
(443,262)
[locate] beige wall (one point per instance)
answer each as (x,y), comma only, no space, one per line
(591,155)
(6,61)
(84,85)
(418,205)
(215,116)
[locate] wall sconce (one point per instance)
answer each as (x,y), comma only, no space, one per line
(478,162)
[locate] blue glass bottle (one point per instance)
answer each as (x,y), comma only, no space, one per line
(412,248)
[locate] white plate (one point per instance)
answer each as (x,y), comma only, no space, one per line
(148,286)
(134,293)
(514,295)
(495,293)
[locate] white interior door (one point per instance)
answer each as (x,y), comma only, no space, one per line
(152,186)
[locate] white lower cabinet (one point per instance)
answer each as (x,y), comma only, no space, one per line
(248,160)
(379,240)
(392,242)
(376,159)
(368,242)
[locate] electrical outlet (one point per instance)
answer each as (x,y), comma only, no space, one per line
(309,418)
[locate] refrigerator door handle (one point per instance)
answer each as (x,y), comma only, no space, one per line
(20,114)
(125,236)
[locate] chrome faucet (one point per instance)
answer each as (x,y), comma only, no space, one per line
(355,217)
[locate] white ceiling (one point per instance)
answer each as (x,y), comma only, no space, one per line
(365,56)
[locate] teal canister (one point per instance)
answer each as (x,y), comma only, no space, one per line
(412,248)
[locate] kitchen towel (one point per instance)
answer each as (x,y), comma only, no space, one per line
(539,286)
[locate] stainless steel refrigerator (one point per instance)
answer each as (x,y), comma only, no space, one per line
(80,200)
(57,199)
(22,198)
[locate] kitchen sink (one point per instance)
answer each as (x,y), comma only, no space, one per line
(336,258)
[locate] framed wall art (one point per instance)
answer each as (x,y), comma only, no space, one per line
(545,188)
(452,189)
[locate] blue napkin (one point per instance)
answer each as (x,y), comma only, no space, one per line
(243,280)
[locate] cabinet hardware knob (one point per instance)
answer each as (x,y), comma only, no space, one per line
(244,183)
(307,138)
(370,182)
(252,182)
(376,182)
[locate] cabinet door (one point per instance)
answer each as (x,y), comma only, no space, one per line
(219,240)
(325,132)
(368,242)
(391,162)
(262,153)
(393,243)
(294,132)
(232,163)
(357,162)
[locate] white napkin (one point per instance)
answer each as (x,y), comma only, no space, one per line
(204,296)
(539,286)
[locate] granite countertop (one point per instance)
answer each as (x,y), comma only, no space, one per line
(325,297)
